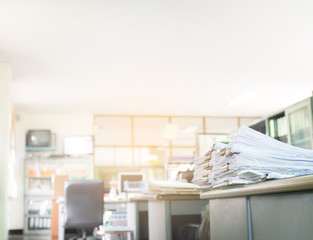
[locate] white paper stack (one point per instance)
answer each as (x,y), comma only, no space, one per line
(201,170)
(163,187)
(203,166)
(252,156)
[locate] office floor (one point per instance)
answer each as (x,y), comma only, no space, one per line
(24,237)
(34,237)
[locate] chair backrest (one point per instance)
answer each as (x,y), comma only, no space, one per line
(189,232)
(83,201)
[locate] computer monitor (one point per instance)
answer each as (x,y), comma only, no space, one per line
(78,145)
(136,178)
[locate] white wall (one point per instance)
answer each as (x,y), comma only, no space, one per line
(5,113)
(62,125)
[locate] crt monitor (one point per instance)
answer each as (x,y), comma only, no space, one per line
(38,138)
(135,180)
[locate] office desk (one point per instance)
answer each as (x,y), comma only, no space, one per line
(164,212)
(168,208)
(278,209)
(151,217)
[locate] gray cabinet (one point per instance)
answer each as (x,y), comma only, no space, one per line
(282,216)
(228,219)
(273,210)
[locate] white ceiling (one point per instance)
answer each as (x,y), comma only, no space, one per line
(171,57)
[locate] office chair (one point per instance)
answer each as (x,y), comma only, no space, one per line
(83,204)
(189,232)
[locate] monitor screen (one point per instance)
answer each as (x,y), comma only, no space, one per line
(134,177)
(78,145)
(38,138)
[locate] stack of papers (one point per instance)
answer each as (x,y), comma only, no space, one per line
(251,157)
(170,187)
(203,167)
(202,170)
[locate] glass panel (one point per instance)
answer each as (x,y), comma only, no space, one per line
(149,131)
(221,125)
(272,128)
(183,155)
(145,156)
(124,156)
(278,128)
(282,129)
(188,128)
(113,131)
(104,156)
(39,185)
(39,207)
(153,173)
(75,168)
(299,124)
(38,223)
(40,168)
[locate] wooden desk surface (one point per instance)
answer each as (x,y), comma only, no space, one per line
(267,187)
(162,196)
(167,196)
(173,196)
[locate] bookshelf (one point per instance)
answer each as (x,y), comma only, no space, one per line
(300,124)
(39,172)
(277,125)
(293,125)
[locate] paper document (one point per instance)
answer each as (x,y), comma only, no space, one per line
(251,157)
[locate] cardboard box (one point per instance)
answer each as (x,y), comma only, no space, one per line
(58,191)
(58,185)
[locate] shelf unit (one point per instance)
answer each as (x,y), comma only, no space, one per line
(37,149)
(300,124)
(277,127)
(38,214)
(39,172)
